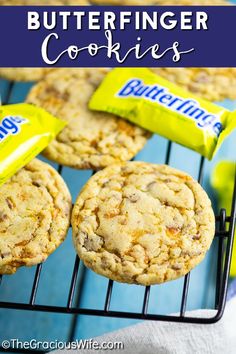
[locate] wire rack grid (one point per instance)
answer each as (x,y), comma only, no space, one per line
(225,227)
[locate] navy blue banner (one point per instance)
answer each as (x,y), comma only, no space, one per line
(118,36)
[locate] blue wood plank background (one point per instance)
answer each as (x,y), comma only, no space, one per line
(57,271)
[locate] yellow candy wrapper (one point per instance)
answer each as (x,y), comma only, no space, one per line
(162,107)
(222,180)
(25,130)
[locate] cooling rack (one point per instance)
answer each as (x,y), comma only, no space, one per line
(225,227)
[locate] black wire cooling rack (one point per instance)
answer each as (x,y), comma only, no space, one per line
(225,227)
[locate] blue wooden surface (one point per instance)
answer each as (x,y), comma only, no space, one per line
(57,271)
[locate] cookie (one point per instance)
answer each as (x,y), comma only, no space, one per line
(35,207)
(43,2)
(160,2)
(142,223)
(91,140)
(213,84)
(23,74)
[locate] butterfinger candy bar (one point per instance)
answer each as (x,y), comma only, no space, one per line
(25,130)
(162,107)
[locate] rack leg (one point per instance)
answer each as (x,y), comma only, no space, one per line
(219,272)
(74,320)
